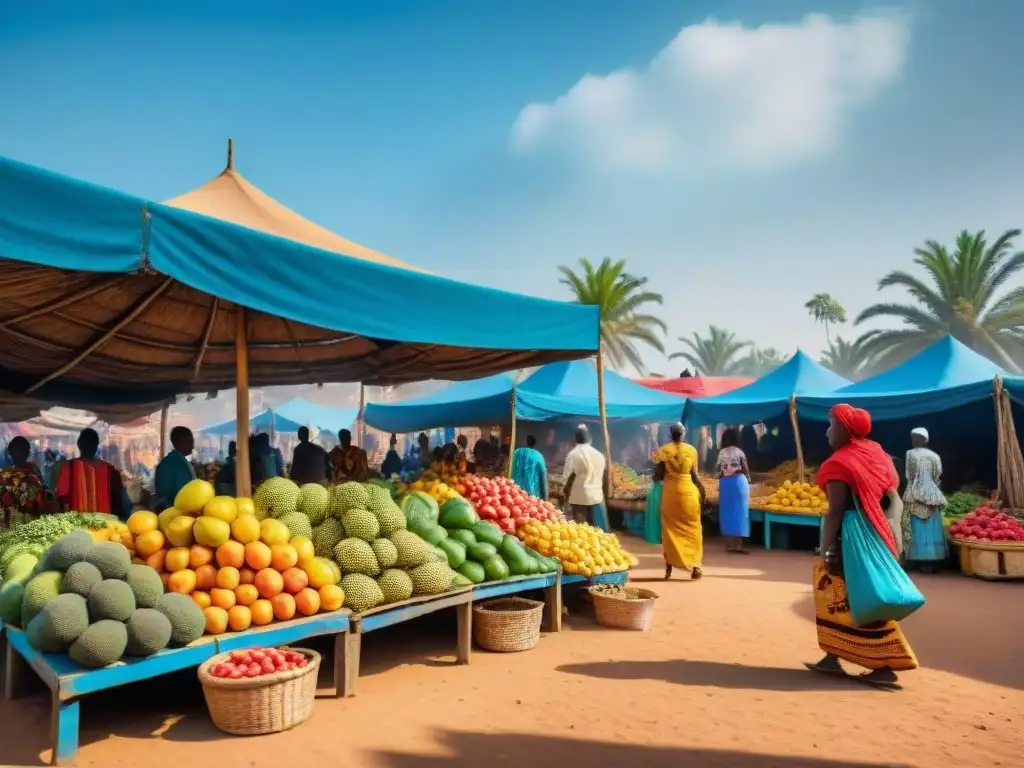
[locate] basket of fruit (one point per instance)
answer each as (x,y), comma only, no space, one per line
(990,543)
(264,690)
(507,624)
(620,607)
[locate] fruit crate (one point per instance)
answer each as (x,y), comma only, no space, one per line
(994,562)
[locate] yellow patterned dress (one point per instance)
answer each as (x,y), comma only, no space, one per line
(681,533)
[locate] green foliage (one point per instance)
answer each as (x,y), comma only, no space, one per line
(719,353)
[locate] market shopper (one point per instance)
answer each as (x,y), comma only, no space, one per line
(585,476)
(733,493)
(529,470)
(857,477)
(22,488)
(309,461)
(89,484)
(175,470)
(682,500)
(392,463)
(348,462)
(924,538)
(224,482)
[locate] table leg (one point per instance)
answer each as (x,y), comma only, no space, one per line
(350,661)
(464,613)
(767,531)
(553,607)
(14,672)
(64,726)
(337,684)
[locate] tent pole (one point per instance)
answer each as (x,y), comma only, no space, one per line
(361,425)
(243,478)
(604,420)
(796,437)
(512,435)
(163,431)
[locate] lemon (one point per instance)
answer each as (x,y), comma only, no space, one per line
(143,521)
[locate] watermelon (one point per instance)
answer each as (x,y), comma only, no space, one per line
(458,513)
(418,505)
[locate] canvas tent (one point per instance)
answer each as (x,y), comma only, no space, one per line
(289,416)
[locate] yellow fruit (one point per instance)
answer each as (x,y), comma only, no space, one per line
(334,568)
(221,507)
(211,531)
(245,506)
(165,517)
(303,547)
(194,496)
(319,573)
(274,532)
(143,522)
(176,559)
(183,581)
(245,529)
(101,534)
(179,530)
(331,597)
(149,542)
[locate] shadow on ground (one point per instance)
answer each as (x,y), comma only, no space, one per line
(476,749)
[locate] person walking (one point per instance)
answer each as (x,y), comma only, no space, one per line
(682,500)
(529,470)
(733,493)
(924,538)
(585,476)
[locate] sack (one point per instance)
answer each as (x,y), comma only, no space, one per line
(652,515)
(877,587)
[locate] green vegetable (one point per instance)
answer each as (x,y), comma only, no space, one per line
(960,504)
(37,535)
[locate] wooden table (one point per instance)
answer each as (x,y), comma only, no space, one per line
(550,583)
(770,518)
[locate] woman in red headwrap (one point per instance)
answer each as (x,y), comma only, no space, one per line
(858,476)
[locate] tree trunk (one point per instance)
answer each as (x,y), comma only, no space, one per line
(604,419)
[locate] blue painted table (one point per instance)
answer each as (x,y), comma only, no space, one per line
(618,577)
(397,613)
(550,583)
(782,518)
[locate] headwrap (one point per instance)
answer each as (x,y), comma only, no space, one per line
(920,432)
(864,466)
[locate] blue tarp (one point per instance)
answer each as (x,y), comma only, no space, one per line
(766,398)
(553,391)
(289,416)
(943,376)
(1015,387)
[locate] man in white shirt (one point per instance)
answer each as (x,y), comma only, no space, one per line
(585,475)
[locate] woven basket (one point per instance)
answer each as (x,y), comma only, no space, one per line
(507,624)
(265,704)
(988,560)
(635,612)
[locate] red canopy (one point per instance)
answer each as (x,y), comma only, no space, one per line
(695,386)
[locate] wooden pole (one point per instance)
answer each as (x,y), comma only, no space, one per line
(361,426)
(604,418)
(163,431)
(796,436)
(243,477)
(512,435)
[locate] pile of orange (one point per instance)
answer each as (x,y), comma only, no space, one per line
(241,571)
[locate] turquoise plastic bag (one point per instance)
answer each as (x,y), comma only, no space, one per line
(652,515)
(601,518)
(877,587)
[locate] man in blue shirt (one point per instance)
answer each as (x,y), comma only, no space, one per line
(529,470)
(175,470)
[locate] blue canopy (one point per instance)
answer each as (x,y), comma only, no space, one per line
(945,375)
(1015,387)
(109,298)
(766,398)
(289,416)
(556,390)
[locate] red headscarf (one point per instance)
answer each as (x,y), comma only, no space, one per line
(864,466)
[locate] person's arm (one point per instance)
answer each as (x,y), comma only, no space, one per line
(543,469)
(700,486)
(744,467)
(938,468)
(659,471)
(117,493)
(910,467)
(606,487)
(837,492)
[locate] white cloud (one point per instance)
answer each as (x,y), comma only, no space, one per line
(724,95)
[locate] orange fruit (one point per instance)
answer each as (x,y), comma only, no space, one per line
(257,555)
(222,598)
(200,598)
(177,559)
(156,560)
(183,581)
(331,597)
(165,577)
(246,575)
(294,580)
(227,578)
(199,555)
(304,548)
(142,522)
(307,601)
(262,612)
(246,529)
(206,577)
(284,606)
(245,506)
(239,618)
(269,582)
(274,531)
(149,542)
(216,620)
(221,507)
(246,594)
(319,573)
(283,557)
(231,554)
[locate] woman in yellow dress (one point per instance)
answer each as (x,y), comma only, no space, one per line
(682,499)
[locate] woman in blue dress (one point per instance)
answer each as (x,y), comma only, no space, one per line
(924,538)
(733,493)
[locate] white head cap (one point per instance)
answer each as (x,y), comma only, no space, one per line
(920,432)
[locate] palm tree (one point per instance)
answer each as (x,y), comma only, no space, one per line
(847,358)
(622,299)
(717,354)
(761,361)
(960,297)
(827,311)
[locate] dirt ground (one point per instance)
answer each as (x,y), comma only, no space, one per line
(717,682)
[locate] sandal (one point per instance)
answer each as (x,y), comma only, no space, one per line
(879,683)
(668,572)
(695,574)
(835,671)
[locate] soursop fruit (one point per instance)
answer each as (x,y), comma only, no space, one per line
(459,581)
(389,515)
(82,578)
(70,549)
(187,620)
(149,631)
(276,496)
(12,596)
(145,584)
(111,558)
(350,495)
(298,524)
(361,524)
(111,599)
(412,550)
(61,622)
(39,590)
(395,584)
(313,502)
(361,592)
(385,551)
(326,537)
(431,579)
(356,556)
(102,643)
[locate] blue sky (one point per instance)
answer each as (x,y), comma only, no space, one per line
(763,157)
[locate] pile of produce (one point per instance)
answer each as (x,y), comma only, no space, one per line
(626,483)
(582,549)
(89,600)
(440,482)
(787,470)
(257,663)
(801,498)
(239,570)
(504,502)
(959,505)
(988,524)
(36,536)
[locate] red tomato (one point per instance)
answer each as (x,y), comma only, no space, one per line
(503,512)
(235,674)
